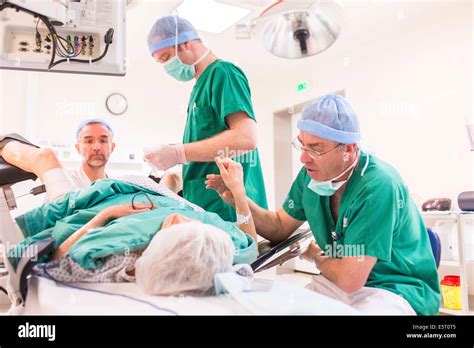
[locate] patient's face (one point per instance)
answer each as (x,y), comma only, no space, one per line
(174,220)
(95,145)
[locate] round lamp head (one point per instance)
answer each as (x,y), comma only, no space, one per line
(299,34)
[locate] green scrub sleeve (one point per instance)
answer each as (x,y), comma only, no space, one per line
(231,93)
(293,204)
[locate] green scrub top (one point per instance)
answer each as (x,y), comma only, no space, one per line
(377,218)
(221,90)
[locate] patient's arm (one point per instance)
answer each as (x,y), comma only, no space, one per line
(242,208)
(233,176)
(274,226)
(106,215)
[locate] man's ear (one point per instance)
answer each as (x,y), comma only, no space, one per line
(350,148)
(188,45)
(113,148)
(77,148)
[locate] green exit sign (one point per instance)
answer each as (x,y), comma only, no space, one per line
(303,86)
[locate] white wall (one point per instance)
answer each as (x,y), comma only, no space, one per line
(406,68)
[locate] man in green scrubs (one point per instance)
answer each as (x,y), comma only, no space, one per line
(220,122)
(371,243)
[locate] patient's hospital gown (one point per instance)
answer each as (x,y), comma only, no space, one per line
(61,218)
(115,269)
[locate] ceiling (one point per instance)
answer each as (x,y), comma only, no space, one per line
(364,21)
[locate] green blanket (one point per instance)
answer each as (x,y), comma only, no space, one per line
(63,217)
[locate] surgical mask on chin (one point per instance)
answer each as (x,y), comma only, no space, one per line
(181,71)
(328,187)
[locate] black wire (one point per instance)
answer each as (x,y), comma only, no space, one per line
(61,44)
(62,38)
(44,19)
(52,32)
(153,206)
(81,60)
(108,39)
(67,53)
(54,37)
(61,53)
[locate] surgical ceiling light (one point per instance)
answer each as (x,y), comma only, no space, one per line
(300,34)
(210,15)
(297,28)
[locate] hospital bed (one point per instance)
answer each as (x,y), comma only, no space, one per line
(31,294)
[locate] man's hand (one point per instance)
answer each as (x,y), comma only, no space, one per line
(216,183)
(165,156)
(232,174)
(313,254)
(350,273)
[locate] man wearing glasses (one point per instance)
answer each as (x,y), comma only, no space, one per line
(371,245)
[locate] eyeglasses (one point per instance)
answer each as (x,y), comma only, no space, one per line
(312,153)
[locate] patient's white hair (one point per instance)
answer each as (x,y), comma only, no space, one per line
(183,259)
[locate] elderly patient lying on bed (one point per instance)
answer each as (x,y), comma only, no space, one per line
(108,231)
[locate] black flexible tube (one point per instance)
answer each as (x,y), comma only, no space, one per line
(52,32)
(108,39)
(44,19)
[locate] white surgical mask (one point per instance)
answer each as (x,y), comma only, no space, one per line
(329,187)
(179,70)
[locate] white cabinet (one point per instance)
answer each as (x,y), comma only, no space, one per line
(456,231)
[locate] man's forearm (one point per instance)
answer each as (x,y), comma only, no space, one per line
(229,143)
(267,223)
(330,267)
(337,271)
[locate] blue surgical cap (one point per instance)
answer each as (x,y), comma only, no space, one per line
(330,117)
(163,33)
(93,121)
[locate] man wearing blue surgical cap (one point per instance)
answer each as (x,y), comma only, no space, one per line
(371,245)
(221,120)
(95,144)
